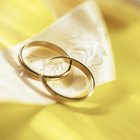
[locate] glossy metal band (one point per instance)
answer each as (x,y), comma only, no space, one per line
(77,64)
(32,73)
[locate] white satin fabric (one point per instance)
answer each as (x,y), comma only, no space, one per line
(82,34)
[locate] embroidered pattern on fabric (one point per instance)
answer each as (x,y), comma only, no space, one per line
(86,48)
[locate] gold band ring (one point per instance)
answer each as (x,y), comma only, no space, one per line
(77,64)
(32,73)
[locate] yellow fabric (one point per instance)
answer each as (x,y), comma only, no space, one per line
(111,114)
(20,20)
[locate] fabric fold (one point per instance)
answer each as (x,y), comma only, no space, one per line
(82,34)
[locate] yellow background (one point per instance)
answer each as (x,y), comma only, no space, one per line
(113,113)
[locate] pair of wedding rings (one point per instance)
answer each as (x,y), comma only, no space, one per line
(66,63)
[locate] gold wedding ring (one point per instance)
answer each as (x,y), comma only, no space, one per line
(32,73)
(77,64)
(47,78)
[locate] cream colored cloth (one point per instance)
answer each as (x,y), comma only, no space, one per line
(81,34)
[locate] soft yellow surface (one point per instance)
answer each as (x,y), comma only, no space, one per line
(113,113)
(20,20)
